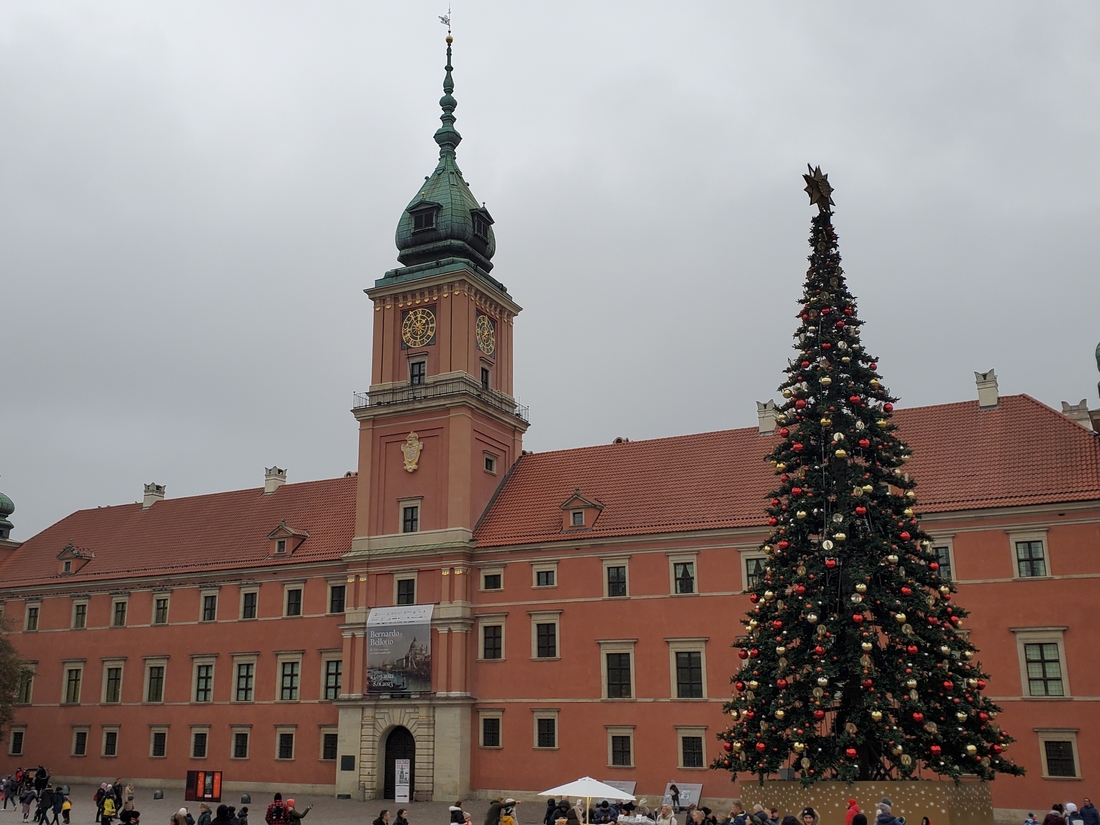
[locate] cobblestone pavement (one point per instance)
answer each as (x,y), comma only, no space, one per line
(326,809)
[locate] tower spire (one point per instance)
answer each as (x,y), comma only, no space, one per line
(447,136)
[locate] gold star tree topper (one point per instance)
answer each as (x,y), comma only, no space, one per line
(819,189)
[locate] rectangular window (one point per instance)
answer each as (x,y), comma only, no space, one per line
(754,569)
(406,591)
(336,595)
(118,614)
(209,607)
(1044,669)
(691,751)
(490,463)
(80,616)
(490,731)
(485,378)
(240,744)
(576,518)
(1059,757)
(684,574)
(204,683)
(418,372)
(334,674)
(294,602)
(280,546)
(112,689)
(547,732)
(110,743)
(15,744)
(410,518)
(154,691)
(621,751)
(492,641)
(248,604)
(80,743)
(689,675)
(616,580)
(286,746)
(492,581)
(289,673)
(246,675)
(32,619)
(329,744)
(72,685)
(199,741)
(159,745)
(943,556)
(424,220)
(26,687)
(545,578)
(618,675)
(546,636)
(160,610)
(1030,559)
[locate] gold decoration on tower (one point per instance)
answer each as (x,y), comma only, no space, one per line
(411,451)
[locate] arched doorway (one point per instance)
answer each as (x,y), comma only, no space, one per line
(399,745)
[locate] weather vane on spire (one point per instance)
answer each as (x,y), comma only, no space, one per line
(445,19)
(819,189)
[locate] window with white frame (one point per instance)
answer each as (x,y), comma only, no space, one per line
(545,643)
(753,567)
(1042,658)
(155,671)
(240,740)
(158,742)
(80,740)
(944,552)
(30,621)
(688,667)
(1058,753)
(620,746)
(292,599)
(16,739)
(250,600)
(490,723)
(80,615)
(492,578)
(615,577)
(25,692)
(546,728)
(160,608)
(330,744)
(71,684)
(290,676)
(544,574)
(683,572)
(404,588)
(284,743)
(110,741)
(409,513)
(617,668)
(690,746)
(202,688)
(244,678)
(491,636)
(332,675)
(1029,554)
(118,612)
(200,741)
(337,597)
(112,681)
(209,602)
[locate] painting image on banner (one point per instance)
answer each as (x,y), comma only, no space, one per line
(399,651)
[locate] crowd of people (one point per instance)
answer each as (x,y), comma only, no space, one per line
(1068,814)
(29,788)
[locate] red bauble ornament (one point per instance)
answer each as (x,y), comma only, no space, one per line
(933,565)
(777,625)
(754,653)
(796,491)
(797,447)
(744,654)
(855,399)
(826,310)
(906,591)
(848,310)
(739,685)
(773,521)
(918,716)
(888,407)
(754,598)
(911,650)
(861,510)
(750,714)
(905,536)
(851,753)
(983,716)
(819,714)
(956,621)
(781,684)
(800,404)
(936,750)
(784,432)
(727,747)
(948,685)
(981,684)
(819,650)
(998,748)
(784,544)
(800,589)
(868,684)
(858,618)
(830,563)
(761,747)
(872,366)
(840,325)
(865,443)
(805,365)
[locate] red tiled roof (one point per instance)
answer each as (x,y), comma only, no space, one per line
(964,458)
(194,534)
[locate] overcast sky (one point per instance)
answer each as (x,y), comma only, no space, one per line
(194,195)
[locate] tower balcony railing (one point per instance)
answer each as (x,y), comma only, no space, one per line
(463,385)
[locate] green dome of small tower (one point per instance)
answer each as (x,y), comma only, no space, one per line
(7,507)
(444,220)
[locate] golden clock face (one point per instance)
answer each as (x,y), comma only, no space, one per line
(418,328)
(486,335)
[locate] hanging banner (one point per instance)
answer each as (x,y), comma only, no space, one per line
(399,649)
(402,768)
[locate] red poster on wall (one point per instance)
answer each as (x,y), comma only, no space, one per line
(203,786)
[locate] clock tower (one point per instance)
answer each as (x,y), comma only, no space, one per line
(438,430)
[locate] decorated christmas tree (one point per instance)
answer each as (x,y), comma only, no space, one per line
(855,658)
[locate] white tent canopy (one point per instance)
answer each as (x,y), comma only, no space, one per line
(588,788)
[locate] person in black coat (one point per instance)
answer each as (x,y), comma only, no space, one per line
(552,812)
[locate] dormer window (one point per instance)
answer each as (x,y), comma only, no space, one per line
(481,226)
(424,219)
(284,540)
(67,566)
(579,513)
(280,545)
(577,518)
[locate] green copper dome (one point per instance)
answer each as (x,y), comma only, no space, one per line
(7,507)
(444,220)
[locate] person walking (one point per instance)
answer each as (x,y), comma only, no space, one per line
(26,797)
(383,818)
(402,817)
(853,809)
(1089,813)
(276,811)
(293,815)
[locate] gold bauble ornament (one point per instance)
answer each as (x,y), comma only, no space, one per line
(801,514)
(910,494)
(906,760)
(787,393)
(896,750)
(737,746)
(867,488)
(822,681)
(875,383)
(811,617)
(908,511)
(944,589)
(900,618)
(861,588)
(780,714)
(780,650)
(826,421)
(769,595)
(840,536)
(841,453)
(799,747)
(910,683)
(826,381)
(781,466)
(753,684)
(876,715)
(892,558)
(971,750)
(867,647)
(961,716)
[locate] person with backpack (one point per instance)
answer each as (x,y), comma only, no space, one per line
(26,797)
(276,811)
(108,810)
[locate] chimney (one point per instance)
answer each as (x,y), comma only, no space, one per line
(765,417)
(988,397)
(274,478)
(1078,413)
(153,493)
